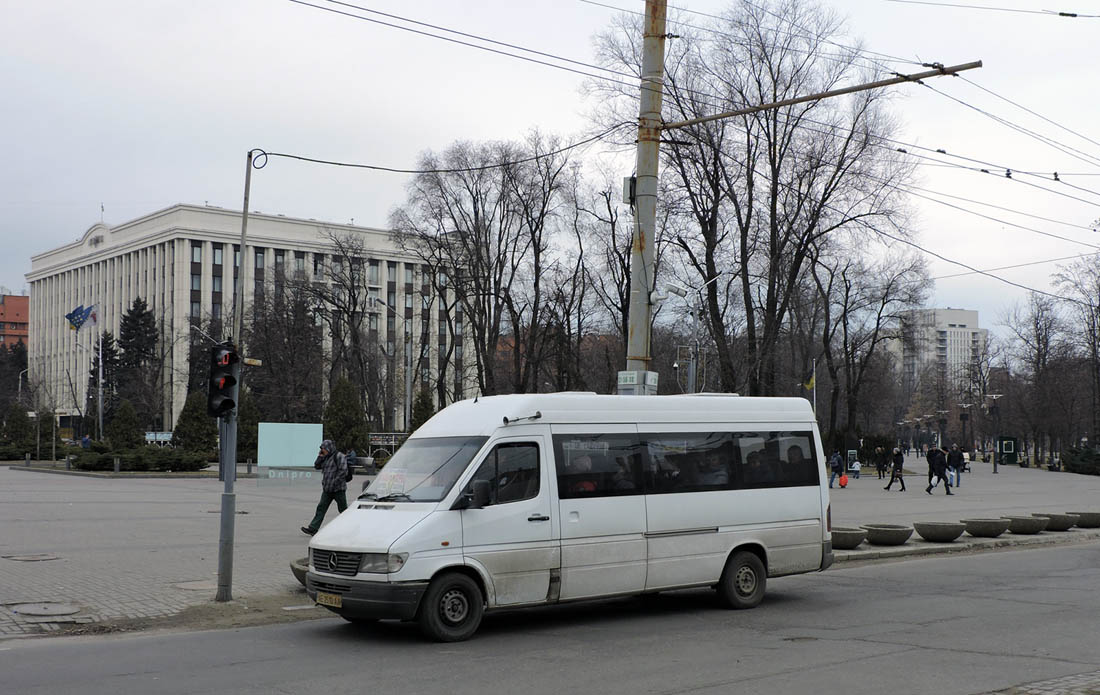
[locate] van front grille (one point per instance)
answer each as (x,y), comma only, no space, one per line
(336,562)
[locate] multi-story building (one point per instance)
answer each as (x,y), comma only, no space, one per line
(945,344)
(13,319)
(184,262)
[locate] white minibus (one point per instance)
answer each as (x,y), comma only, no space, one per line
(524,500)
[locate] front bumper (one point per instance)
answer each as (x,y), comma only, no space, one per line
(826,555)
(359,599)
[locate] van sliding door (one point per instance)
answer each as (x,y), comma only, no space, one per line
(602,510)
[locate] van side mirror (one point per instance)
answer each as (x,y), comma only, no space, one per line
(479,494)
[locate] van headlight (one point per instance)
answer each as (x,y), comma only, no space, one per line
(382,563)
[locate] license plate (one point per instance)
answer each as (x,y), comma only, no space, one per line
(333,600)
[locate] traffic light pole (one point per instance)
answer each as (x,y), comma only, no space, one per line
(227,453)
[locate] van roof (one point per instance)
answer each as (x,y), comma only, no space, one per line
(484,415)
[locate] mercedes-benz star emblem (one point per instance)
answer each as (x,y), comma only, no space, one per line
(332,564)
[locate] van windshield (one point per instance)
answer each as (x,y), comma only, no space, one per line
(424,470)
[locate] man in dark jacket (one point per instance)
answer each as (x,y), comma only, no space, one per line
(937,463)
(955,463)
(836,466)
(334,473)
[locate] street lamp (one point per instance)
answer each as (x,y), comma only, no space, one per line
(963,417)
(696,310)
(408,364)
(995,411)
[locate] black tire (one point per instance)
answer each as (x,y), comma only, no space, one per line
(743,581)
(451,608)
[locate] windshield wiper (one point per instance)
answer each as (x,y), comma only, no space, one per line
(393,496)
(367,496)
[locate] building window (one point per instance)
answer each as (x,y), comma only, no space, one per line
(373,277)
(196,310)
(217,313)
(218,255)
(299,261)
(408,300)
(408,274)
(217,283)
(280,256)
(259,259)
(196,282)
(392,268)
(236,256)
(373,322)
(196,253)
(391,299)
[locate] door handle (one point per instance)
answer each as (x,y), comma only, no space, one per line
(538,517)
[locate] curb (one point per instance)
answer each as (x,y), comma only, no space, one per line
(196,475)
(971,544)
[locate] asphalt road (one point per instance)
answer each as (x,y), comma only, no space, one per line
(960,624)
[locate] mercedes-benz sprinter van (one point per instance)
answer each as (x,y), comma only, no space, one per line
(527,500)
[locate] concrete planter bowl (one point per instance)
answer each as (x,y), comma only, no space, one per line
(299,568)
(1026,525)
(847,538)
(986,528)
(1060,522)
(939,531)
(1088,519)
(887,534)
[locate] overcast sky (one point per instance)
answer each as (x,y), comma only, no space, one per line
(139,105)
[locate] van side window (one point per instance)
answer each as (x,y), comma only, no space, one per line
(512,471)
(598,465)
(776,459)
(690,462)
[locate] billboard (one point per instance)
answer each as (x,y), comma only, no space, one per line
(289,445)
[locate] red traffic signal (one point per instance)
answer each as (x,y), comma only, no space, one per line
(225,373)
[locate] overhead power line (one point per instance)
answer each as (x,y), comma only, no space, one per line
(1049,13)
(1024,108)
(261,158)
(1020,265)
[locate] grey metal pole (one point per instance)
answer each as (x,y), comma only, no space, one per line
(692,365)
(642,280)
(228,450)
(99,410)
(408,383)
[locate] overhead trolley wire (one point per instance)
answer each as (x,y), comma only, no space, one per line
(1049,13)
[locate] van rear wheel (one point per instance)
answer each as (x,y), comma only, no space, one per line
(743,581)
(451,609)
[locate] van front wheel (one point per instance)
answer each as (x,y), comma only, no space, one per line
(743,581)
(451,608)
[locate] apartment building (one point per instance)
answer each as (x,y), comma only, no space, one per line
(13,319)
(945,343)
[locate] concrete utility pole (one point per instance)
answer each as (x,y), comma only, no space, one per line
(638,379)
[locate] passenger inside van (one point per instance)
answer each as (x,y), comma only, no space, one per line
(711,470)
(580,469)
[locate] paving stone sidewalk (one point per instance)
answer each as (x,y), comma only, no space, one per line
(102,549)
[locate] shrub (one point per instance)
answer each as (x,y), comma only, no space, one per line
(1085,461)
(195,430)
(124,430)
(146,458)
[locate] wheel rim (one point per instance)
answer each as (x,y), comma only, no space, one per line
(454,606)
(745,580)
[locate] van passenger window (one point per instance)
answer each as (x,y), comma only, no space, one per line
(776,459)
(598,465)
(512,471)
(690,462)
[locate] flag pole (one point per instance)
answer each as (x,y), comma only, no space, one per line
(814,379)
(99,378)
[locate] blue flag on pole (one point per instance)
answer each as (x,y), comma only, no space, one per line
(78,316)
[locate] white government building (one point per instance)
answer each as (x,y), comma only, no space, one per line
(181,261)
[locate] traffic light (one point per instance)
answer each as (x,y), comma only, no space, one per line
(225,374)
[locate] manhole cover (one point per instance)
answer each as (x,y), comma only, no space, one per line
(35,557)
(44,609)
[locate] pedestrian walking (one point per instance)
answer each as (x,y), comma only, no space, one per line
(955,464)
(880,462)
(836,466)
(334,484)
(937,466)
(897,473)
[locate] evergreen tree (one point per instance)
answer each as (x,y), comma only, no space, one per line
(137,336)
(13,360)
(124,431)
(248,427)
(18,429)
(345,422)
(422,410)
(110,376)
(195,430)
